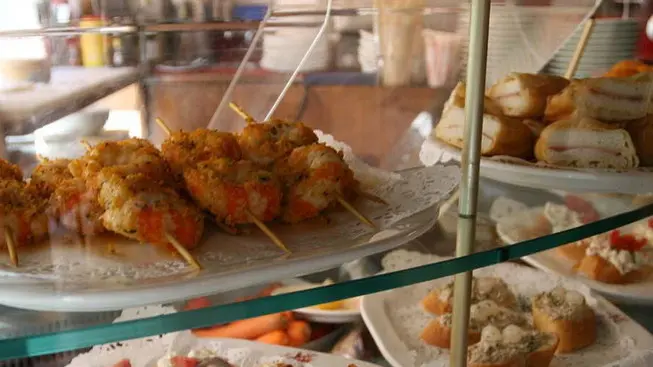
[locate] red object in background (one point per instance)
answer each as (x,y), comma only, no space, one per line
(644,42)
(583,207)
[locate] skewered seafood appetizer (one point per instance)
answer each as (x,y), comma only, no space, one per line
(139,208)
(49,174)
(234,191)
(9,171)
(186,149)
(315,176)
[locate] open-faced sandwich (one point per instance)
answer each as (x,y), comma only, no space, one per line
(502,135)
(525,95)
(512,346)
(438,331)
(617,258)
(566,314)
(439,300)
(586,143)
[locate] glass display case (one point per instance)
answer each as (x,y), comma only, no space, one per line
(193,210)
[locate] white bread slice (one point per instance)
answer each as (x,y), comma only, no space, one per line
(562,106)
(615,99)
(586,143)
(641,131)
(566,314)
(525,95)
(513,346)
(501,135)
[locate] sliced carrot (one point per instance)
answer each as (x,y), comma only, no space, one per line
(197,303)
(123,363)
(276,337)
(299,332)
(246,329)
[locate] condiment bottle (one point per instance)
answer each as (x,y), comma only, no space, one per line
(93,45)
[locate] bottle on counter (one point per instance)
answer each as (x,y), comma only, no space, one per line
(93,45)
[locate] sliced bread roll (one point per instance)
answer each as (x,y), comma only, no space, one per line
(586,143)
(439,300)
(641,131)
(562,106)
(525,95)
(566,314)
(615,99)
(501,135)
(513,346)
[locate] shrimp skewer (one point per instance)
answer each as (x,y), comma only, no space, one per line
(234,191)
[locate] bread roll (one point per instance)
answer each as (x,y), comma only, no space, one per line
(513,346)
(566,314)
(586,143)
(439,300)
(501,135)
(562,106)
(615,99)
(641,132)
(525,95)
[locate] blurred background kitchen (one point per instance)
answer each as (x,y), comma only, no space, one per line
(174,59)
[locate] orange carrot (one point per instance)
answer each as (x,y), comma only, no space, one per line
(276,337)
(299,332)
(246,329)
(197,303)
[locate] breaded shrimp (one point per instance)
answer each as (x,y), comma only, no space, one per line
(10,171)
(135,155)
(140,208)
(21,211)
(76,208)
(186,149)
(266,142)
(314,176)
(229,189)
(49,174)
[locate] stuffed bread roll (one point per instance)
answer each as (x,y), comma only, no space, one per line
(525,95)
(615,99)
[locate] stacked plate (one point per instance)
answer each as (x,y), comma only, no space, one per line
(368,52)
(611,41)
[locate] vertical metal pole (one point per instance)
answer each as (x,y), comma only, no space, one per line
(476,63)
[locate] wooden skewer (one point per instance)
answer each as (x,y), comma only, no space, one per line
(356,213)
(86,144)
(251,216)
(241,112)
(11,246)
(371,197)
(183,252)
(267,231)
(163,125)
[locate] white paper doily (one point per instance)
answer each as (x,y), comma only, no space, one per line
(401,311)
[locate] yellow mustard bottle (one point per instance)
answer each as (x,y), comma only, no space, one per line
(93,45)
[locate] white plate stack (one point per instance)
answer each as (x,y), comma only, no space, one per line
(368,52)
(283,48)
(522,39)
(611,41)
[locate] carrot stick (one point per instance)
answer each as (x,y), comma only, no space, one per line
(276,337)
(299,332)
(246,329)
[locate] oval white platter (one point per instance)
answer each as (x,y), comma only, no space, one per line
(518,228)
(73,277)
(239,353)
(348,314)
(395,318)
(627,182)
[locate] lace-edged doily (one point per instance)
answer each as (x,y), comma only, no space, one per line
(64,267)
(613,346)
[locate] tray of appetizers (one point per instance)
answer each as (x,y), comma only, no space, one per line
(131,224)
(548,132)
(519,316)
(618,263)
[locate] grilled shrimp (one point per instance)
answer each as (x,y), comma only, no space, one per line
(133,155)
(49,174)
(313,177)
(23,213)
(266,142)
(186,149)
(140,208)
(230,189)
(10,171)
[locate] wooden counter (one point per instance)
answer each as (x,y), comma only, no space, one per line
(370,119)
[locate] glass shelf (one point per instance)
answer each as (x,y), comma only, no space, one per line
(29,333)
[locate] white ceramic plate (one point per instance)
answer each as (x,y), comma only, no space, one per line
(515,231)
(241,353)
(350,313)
(395,319)
(65,277)
(628,182)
